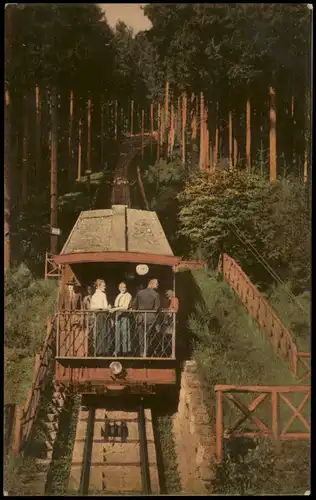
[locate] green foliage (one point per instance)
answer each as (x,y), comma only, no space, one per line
(252,467)
(162,183)
(60,44)
(212,204)
(230,348)
(232,211)
(172,482)
(295,314)
(58,475)
(28,303)
(225,334)
(250,44)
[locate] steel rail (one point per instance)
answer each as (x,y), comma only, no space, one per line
(143,450)
(87,453)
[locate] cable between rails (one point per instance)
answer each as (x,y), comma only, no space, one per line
(241,236)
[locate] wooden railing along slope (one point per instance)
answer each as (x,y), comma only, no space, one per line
(276,396)
(259,308)
(26,414)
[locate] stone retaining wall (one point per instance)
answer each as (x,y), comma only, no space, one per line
(193,435)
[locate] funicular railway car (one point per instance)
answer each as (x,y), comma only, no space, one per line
(116,245)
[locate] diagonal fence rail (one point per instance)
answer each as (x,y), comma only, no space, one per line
(259,308)
(279,403)
(26,414)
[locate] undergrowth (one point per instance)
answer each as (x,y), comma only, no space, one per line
(230,348)
(166,454)
(58,475)
(295,314)
(28,303)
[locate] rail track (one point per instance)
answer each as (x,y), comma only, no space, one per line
(114,451)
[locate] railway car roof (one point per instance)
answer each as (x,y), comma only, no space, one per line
(119,234)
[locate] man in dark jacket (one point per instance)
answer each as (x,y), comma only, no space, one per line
(146,300)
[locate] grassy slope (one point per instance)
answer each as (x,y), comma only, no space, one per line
(231,349)
(28,303)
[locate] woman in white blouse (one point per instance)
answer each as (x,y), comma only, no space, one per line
(103,330)
(122,326)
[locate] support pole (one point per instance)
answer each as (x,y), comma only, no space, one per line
(53,173)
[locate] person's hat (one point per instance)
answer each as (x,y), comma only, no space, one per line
(169,293)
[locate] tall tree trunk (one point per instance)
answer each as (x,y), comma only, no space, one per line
(70,146)
(89,135)
(193,130)
(184,124)
(79,151)
(159,131)
(201,131)
(248,135)
(235,152)
(102,132)
(7,183)
(206,139)
(115,118)
(25,152)
(142,131)
(216,141)
(167,105)
(132,117)
(151,126)
(230,139)
(272,145)
(38,135)
(53,174)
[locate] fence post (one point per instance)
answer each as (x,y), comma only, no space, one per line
(294,359)
(219,426)
(46,265)
(275,417)
(17,438)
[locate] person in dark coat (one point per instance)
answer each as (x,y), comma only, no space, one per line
(146,300)
(70,299)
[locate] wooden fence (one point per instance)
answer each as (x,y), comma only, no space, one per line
(259,308)
(276,396)
(26,414)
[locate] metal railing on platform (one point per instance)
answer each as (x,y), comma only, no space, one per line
(134,334)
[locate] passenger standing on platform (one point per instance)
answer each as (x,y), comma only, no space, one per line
(173,305)
(122,324)
(88,319)
(87,299)
(99,303)
(70,299)
(146,300)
